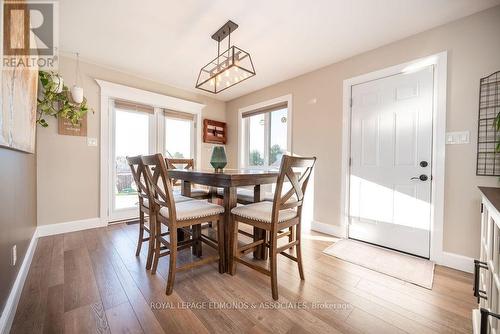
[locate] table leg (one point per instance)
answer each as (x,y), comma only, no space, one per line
(185,191)
(257,232)
(229,204)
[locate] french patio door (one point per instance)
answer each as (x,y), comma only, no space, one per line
(133,132)
(390,169)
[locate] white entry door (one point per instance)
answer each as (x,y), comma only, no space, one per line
(390,171)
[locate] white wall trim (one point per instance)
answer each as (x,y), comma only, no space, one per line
(10,307)
(111,91)
(285,98)
(73,226)
(439,61)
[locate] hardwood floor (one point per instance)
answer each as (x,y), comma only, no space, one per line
(92,282)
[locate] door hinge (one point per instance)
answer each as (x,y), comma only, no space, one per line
(350,102)
(350,162)
(482,208)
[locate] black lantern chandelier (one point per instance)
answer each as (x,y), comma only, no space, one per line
(229,68)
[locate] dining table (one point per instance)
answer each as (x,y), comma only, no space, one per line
(228,180)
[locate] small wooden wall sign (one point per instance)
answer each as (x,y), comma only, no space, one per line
(214,132)
(65,127)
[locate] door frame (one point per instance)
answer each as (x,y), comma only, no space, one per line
(111,91)
(439,61)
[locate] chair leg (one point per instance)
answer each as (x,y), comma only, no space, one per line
(232,268)
(157,245)
(298,248)
(291,237)
(172,261)
(152,240)
(141,233)
(220,244)
(273,258)
(196,248)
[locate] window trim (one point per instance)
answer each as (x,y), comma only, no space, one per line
(243,133)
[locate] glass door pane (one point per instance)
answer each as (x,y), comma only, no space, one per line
(178,138)
(131,137)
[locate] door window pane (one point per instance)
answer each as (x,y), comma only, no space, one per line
(131,138)
(256,129)
(278,136)
(178,138)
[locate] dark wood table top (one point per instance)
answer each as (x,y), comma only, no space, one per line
(493,195)
(227,178)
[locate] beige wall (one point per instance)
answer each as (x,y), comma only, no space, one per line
(473,52)
(68,169)
(17,213)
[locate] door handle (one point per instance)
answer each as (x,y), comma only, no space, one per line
(422,177)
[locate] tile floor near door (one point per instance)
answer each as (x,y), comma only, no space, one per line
(91,282)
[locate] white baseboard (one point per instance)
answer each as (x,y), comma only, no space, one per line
(10,308)
(335,230)
(456,261)
(77,225)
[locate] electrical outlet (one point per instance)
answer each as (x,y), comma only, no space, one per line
(14,255)
(91,141)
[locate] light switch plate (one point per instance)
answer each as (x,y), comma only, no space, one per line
(91,141)
(14,255)
(458,137)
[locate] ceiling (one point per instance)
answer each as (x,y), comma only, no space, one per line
(169,41)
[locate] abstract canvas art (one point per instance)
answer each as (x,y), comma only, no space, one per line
(18,113)
(18,101)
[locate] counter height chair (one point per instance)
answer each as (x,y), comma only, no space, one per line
(183,215)
(283,214)
(139,176)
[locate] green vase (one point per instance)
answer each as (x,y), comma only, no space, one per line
(218,159)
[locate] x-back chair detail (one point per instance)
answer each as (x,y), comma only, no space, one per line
(183,215)
(283,214)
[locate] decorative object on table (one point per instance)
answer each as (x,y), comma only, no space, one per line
(488,137)
(218,159)
(60,105)
(76,90)
(230,67)
(214,132)
(19,86)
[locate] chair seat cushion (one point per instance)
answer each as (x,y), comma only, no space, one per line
(177,199)
(262,212)
(194,209)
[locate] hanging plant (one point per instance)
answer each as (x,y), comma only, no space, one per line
(54,99)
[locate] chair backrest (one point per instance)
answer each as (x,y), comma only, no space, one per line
(159,185)
(137,169)
(178,163)
(296,171)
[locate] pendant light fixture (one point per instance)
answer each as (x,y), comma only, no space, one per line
(230,67)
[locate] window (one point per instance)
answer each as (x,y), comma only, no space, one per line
(265,135)
(179,135)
